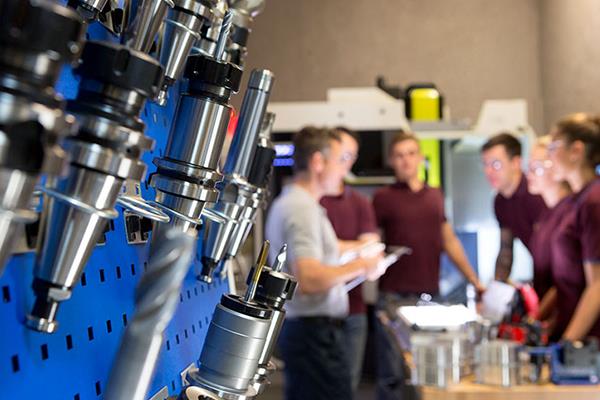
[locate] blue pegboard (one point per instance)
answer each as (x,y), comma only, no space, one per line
(74,363)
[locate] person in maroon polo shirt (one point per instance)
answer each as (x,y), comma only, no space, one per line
(575,153)
(517,210)
(541,180)
(353,219)
(411,213)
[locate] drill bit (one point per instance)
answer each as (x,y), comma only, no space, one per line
(156,300)
(280,259)
(262,259)
(223,35)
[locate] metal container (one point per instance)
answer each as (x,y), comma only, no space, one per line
(433,364)
(461,350)
(233,346)
(499,363)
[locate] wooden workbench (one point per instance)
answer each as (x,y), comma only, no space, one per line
(472,391)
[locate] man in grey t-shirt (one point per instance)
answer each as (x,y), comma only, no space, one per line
(312,341)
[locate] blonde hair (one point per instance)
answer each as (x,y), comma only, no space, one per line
(543,141)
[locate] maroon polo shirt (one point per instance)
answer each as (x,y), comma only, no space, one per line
(520,212)
(351,215)
(540,244)
(575,242)
(412,219)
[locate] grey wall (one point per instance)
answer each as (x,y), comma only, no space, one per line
(472,49)
(570,57)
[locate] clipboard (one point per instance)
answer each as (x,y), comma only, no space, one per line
(388,260)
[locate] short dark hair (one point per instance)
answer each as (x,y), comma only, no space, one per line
(585,128)
(400,137)
(353,134)
(511,144)
(309,141)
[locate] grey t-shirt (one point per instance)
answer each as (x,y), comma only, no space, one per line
(298,219)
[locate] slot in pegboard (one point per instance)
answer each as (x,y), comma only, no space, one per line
(74,363)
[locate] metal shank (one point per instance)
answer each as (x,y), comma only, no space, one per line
(156,300)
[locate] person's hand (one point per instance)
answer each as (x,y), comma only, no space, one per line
(374,267)
(479,288)
(374,248)
(368,240)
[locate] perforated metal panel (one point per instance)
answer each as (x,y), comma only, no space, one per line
(74,363)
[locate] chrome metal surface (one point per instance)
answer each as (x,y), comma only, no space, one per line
(441,359)
(219,9)
(104,153)
(237,197)
(97,5)
(207,43)
(130,101)
(125,139)
(272,336)
(198,132)
(191,208)
(243,13)
(432,364)
(195,172)
(149,17)
(105,159)
(143,208)
(182,29)
(162,394)
(202,8)
(223,35)
(231,351)
(274,299)
(184,189)
(214,391)
(41,64)
(204,47)
(215,216)
(16,188)
(156,300)
(31,113)
(244,226)
(59,261)
(460,360)
(261,379)
(187,174)
(264,137)
(249,7)
(41,324)
(131,200)
(162,97)
(254,105)
(196,393)
(498,362)
(217,241)
(281,259)
(178,211)
(74,202)
(56,123)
